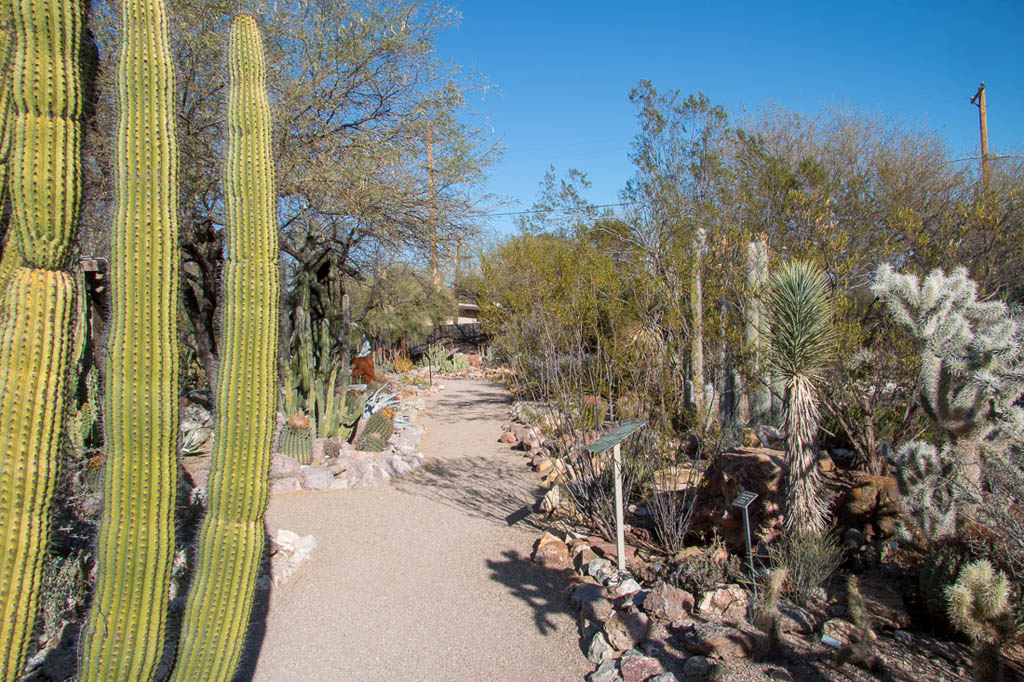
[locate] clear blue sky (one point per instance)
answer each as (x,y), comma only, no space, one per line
(563,71)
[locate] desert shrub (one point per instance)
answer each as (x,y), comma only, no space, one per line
(402,364)
(810,559)
(713,566)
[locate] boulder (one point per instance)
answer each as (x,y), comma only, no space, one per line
(550,552)
(707,639)
(283,466)
(728,602)
(795,619)
(315,478)
(285,485)
(884,604)
(668,604)
(627,629)
(758,470)
(837,628)
(608,551)
(871,505)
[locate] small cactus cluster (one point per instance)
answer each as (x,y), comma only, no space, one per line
(768,618)
(593,411)
(979,606)
(378,429)
(296,438)
(860,651)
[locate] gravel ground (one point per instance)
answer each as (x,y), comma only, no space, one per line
(422,578)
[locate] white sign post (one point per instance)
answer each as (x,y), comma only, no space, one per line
(600,446)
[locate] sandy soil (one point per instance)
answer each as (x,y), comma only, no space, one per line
(425,578)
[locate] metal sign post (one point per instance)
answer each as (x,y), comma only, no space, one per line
(603,444)
(743,501)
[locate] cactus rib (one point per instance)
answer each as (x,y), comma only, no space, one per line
(232,535)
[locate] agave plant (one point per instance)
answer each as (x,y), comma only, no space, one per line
(800,337)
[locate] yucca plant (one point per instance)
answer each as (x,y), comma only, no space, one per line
(800,337)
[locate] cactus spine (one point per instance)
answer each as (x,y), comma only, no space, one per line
(232,535)
(124,636)
(38,308)
(979,605)
(296,439)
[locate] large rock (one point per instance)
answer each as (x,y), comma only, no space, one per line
(283,466)
(285,485)
(726,643)
(627,629)
(758,470)
(551,552)
(884,604)
(871,506)
(606,672)
(599,649)
(316,478)
(724,603)
(668,604)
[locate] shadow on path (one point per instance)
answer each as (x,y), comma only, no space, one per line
(476,485)
(542,589)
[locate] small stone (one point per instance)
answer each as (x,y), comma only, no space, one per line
(663,677)
(583,559)
(639,668)
(606,672)
(550,552)
(838,628)
(599,569)
(590,602)
(726,603)
(696,667)
(599,649)
(825,463)
(545,465)
(624,588)
(626,630)
(668,604)
(315,478)
(508,437)
(903,637)
(284,485)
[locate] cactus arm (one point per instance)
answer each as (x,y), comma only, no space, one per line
(37,310)
(232,535)
(123,638)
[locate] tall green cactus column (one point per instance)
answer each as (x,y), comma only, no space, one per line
(12,255)
(232,535)
(35,320)
(124,636)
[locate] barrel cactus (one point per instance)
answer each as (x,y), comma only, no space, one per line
(296,438)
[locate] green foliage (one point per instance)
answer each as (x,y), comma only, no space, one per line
(809,559)
(979,607)
(800,338)
(714,566)
(971,375)
(399,306)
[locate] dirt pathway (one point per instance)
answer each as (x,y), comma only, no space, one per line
(423,578)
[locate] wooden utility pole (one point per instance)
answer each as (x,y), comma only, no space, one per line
(979,101)
(435,275)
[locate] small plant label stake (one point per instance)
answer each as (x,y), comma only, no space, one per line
(743,501)
(601,445)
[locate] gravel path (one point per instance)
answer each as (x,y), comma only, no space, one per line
(423,578)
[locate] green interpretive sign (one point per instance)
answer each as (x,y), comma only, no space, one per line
(613,438)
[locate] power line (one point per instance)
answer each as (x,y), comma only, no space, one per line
(557,210)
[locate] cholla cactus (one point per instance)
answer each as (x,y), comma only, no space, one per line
(800,337)
(979,606)
(972,371)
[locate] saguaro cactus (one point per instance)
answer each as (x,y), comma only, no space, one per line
(124,636)
(35,322)
(232,536)
(756,275)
